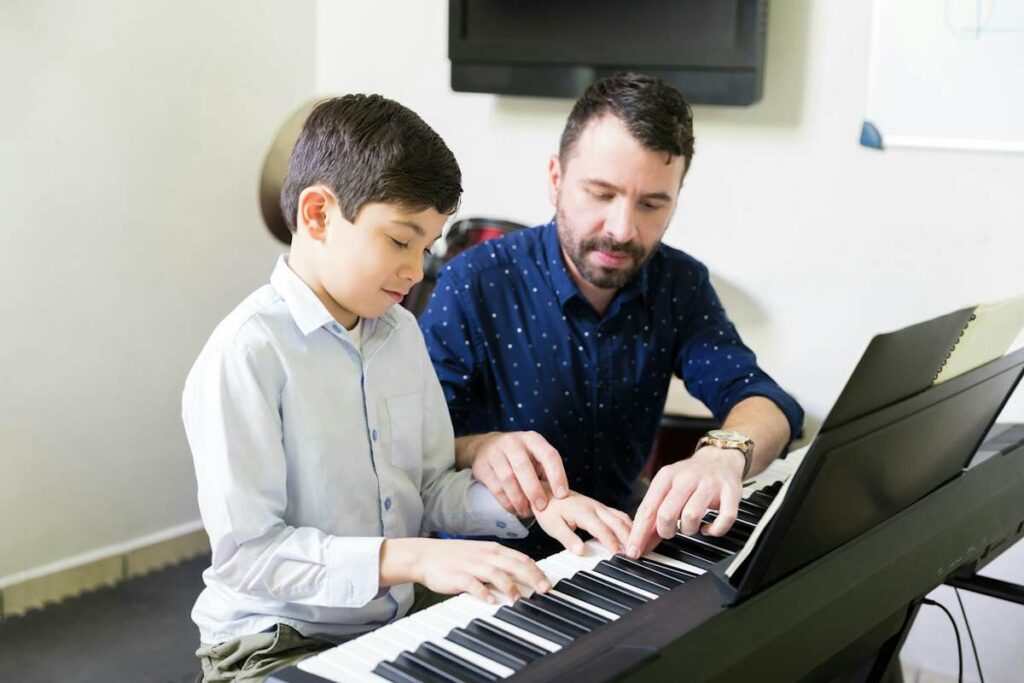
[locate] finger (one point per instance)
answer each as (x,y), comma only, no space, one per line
(728,506)
(551,461)
(592,523)
(522,466)
(557,529)
(615,522)
(477,589)
(500,579)
(510,485)
(484,474)
(672,507)
(524,571)
(695,509)
(643,522)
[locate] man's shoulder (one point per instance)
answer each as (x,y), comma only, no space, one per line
(522,247)
(674,261)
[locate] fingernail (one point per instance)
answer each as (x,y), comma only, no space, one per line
(490,599)
(561,492)
(631,551)
(545,586)
(578,548)
(540,504)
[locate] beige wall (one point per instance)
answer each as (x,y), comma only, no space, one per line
(132,135)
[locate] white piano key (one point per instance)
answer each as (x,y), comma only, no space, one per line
(338,672)
(473,608)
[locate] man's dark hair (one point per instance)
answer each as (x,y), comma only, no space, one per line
(653,111)
(367,148)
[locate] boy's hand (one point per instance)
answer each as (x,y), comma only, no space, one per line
(452,566)
(563,516)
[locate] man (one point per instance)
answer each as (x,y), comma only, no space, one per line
(555,345)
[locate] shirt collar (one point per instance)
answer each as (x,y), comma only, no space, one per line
(306,309)
(562,281)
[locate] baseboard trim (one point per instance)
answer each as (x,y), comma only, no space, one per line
(104,567)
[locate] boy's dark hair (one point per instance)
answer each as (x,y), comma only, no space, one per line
(367,148)
(653,111)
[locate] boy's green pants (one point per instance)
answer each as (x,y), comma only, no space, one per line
(252,657)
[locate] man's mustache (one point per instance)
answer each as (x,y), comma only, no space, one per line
(622,248)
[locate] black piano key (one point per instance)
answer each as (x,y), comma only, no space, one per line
(590,597)
(552,615)
(456,665)
(608,569)
(739,525)
(649,573)
(726,544)
(533,625)
(686,555)
(761,498)
(748,517)
(681,574)
(600,585)
(528,649)
(699,547)
(404,669)
(500,646)
(753,508)
(578,615)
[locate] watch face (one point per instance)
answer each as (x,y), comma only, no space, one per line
(727,435)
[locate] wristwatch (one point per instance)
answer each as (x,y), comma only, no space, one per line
(721,438)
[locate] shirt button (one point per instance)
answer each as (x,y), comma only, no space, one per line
(373,435)
(387,503)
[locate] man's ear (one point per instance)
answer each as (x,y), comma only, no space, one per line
(554,179)
(315,203)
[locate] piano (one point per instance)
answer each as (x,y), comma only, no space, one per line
(907,486)
(464,639)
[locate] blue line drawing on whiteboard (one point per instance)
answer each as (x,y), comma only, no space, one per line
(971,19)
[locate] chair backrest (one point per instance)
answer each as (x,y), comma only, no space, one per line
(463,234)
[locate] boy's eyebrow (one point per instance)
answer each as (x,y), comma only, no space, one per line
(605,184)
(411,224)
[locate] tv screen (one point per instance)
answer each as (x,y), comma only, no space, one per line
(712,50)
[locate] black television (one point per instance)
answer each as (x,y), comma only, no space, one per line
(712,50)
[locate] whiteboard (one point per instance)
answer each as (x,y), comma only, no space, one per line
(946,74)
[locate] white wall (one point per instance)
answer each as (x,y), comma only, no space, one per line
(817,243)
(132,140)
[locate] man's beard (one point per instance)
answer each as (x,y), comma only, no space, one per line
(599,276)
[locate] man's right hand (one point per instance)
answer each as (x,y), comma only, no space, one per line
(451,566)
(511,466)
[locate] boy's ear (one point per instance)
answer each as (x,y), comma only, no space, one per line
(315,203)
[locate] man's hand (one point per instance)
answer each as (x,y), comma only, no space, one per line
(451,566)
(564,515)
(512,464)
(681,494)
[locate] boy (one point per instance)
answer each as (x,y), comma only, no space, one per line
(321,439)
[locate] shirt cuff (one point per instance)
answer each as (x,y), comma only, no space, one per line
(489,517)
(353,570)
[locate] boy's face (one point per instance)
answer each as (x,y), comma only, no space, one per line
(367,265)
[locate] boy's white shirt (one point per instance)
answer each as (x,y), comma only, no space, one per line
(308,453)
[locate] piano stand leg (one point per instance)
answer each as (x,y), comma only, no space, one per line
(994,588)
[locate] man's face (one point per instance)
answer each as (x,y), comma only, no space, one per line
(371,263)
(613,199)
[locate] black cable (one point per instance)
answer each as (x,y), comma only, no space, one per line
(956,632)
(970,635)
